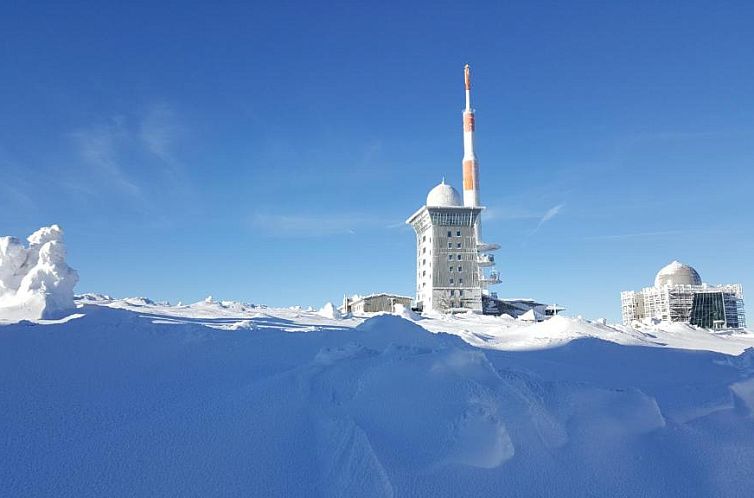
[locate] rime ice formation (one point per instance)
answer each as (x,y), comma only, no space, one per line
(35,281)
(330,311)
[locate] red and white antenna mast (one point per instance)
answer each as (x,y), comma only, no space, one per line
(470,163)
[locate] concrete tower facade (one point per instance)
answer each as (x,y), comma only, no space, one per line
(452,263)
(447,268)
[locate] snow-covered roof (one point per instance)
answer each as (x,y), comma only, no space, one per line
(677,273)
(444,195)
(379,294)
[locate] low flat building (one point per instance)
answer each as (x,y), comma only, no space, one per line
(374,303)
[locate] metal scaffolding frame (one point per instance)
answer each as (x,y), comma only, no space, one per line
(676,304)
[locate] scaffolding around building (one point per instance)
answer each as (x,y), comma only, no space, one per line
(713,307)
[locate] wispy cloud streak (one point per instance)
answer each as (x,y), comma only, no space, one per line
(100,147)
(549,215)
(132,157)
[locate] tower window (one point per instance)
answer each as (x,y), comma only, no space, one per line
(458,233)
(458,245)
(460,280)
(450,245)
(450,234)
(459,257)
(450,257)
(451,280)
(424,238)
(460,268)
(450,268)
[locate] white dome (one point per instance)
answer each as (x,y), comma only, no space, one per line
(444,195)
(677,274)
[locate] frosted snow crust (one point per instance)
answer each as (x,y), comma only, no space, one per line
(35,281)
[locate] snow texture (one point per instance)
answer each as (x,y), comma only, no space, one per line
(35,281)
(134,398)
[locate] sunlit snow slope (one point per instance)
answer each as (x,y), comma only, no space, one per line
(134,398)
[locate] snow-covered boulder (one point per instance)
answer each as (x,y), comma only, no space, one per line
(35,281)
(330,311)
(406,313)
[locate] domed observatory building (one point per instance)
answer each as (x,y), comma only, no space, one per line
(679,295)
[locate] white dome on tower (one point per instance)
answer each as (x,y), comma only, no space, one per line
(677,273)
(444,195)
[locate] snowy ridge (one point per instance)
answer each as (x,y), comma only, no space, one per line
(501,333)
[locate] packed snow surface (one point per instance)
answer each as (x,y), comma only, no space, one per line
(131,397)
(35,281)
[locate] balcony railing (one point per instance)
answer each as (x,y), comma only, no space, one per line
(482,247)
(485,260)
(492,278)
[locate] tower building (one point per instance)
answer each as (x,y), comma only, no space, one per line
(454,268)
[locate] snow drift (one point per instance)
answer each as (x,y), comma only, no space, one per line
(35,281)
(207,401)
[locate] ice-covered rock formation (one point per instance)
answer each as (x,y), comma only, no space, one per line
(35,281)
(330,311)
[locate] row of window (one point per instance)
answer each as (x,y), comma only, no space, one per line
(450,268)
(451,219)
(450,257)
(458,245)
(450,233)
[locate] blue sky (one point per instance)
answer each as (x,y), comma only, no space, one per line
(270,152)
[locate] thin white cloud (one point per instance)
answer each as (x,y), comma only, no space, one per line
(549,215)
(100,146)
(159,131)
(133,156)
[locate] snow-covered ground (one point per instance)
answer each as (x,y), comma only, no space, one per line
(489,332)
(131,397)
